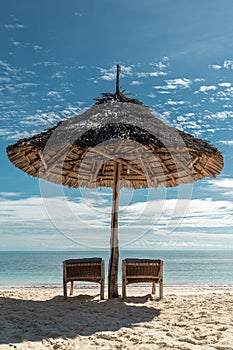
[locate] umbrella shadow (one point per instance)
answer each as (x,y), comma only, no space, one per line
(82,315)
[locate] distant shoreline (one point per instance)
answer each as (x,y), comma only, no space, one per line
(136,290)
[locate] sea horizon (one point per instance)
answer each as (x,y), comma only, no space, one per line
(181,267)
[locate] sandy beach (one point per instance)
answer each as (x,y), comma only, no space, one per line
(188,317)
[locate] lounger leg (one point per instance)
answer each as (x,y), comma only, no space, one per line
(102,290)
(161,281)
(123,279)
(161,290)
(153,287)
(64,280)
(71,287)
(102,281)
(123,289)
(65,289)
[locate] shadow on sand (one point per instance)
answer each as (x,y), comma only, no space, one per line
(82,315)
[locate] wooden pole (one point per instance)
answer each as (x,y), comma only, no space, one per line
(118,81)
(114,246)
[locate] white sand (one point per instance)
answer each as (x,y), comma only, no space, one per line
(189,317)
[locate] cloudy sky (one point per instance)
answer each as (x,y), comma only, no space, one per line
(176,57)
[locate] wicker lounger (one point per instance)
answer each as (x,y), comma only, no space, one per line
(142,270)
(88,270)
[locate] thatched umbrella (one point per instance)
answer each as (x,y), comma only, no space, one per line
(116,143)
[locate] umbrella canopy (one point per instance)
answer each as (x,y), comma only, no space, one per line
(116,143)
(110,131)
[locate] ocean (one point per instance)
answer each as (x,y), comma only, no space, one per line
(191,267)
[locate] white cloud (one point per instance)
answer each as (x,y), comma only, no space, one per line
(79,14)
(7,67)
(17,134)
(46,63)
(4,132)
(173,84)
(126,70)
(17,43)
(55,94)
(152,95)
(162,64)
(170,214)
(228,64)
(157,74)
(205,88)
(219,115)
(110,74)
(14,26)
(37,47)
(25,85)
(224,114)
(86,219)
(228,143)
(215,66)
(223,183)
(181,82)
(162,92)
(186,240)
(198,80)
(20,44)
(81,220)
(5,80)
(136,82)
(175,103)
(181,118)
(226,94)
(223,186)
(191,124)
(58,75)
(225,85)
(48,209)
(10,194)
(151,74)
(21,209)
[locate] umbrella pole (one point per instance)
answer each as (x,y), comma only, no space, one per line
(114,256)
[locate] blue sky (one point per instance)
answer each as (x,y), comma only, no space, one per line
(176,57)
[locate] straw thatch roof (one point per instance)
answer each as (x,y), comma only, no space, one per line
(80,151)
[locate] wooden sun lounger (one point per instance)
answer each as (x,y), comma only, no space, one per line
(85,270)
(140,271)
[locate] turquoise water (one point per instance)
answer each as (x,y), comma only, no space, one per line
(181,267)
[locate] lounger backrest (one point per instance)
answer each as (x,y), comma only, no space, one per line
(142,267)
(83,267)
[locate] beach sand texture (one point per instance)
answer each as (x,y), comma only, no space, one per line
(187,318)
